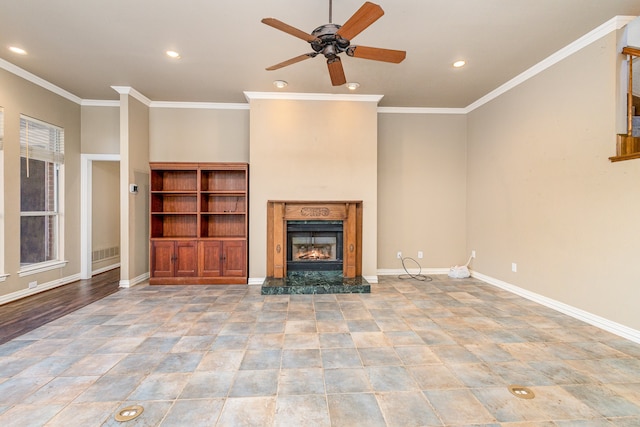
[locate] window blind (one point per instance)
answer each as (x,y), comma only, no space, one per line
(41,141)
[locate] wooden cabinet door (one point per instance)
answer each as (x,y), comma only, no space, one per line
(234,260)
(186,260)
(210,263)
(162,255)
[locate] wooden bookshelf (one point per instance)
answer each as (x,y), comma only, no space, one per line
(199,223)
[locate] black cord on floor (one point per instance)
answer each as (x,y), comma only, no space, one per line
(420,277)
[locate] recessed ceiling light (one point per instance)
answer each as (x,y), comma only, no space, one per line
(173,54)
(459,64)
(353,85)
(17,50)
(280,84)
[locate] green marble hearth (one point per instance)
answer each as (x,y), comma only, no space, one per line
(315,282)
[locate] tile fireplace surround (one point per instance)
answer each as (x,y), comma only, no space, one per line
(280,281)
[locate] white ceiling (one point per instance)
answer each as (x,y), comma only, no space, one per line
(86,47)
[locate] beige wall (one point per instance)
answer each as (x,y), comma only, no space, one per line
(134,208)
(100,130)
(422,160)
(105,210)
(543,194)
(18,96)
(205,135)
(312,150)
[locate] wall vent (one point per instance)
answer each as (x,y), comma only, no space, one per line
(106,253)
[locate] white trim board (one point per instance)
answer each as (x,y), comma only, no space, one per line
(136,280)
(40,288)
(576,313)
(86,162)
(312,96)
(611,25)
(105,269)
(14,69)
(414,271)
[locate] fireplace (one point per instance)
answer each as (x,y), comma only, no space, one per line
(314,245)
(314,236)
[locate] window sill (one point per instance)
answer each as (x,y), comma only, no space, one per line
(41,267)
(3,277)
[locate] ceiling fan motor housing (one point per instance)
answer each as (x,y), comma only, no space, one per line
(327,42)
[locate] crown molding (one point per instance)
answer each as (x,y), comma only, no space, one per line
(99,103)
(611,25)
(421,110)
(311,96)
(200,105)
(128,90)
(14,69)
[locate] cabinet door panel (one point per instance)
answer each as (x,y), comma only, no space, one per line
(187,259)
(162,254)
(234,258)
(210,259)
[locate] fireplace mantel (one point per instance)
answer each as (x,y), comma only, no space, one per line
(281,211)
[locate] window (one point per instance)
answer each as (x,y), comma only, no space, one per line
(41,164)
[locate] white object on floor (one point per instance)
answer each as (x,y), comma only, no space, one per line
(460,271)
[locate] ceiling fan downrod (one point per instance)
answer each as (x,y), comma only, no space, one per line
(330,11)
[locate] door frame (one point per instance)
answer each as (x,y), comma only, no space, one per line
(86,165)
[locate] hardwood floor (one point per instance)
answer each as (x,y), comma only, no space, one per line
(24,315)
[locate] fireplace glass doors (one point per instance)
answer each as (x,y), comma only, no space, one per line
(314,245)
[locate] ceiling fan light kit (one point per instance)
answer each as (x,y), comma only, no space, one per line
(330,40)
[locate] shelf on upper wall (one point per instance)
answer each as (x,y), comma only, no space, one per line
(627,148)
(628,145)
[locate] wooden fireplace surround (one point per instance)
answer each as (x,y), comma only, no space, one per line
(279,212)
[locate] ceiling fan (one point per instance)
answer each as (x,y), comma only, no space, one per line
(332,39)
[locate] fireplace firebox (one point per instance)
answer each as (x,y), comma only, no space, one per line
(314,245)
(344,219)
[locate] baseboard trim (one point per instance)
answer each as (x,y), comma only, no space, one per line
(105,269)
(590,318)
(40,288)
(136,280)
(414,271)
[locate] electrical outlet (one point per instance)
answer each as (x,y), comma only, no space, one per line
(514,267)
(33,284)
(420,254)
(399,255)
(473,254)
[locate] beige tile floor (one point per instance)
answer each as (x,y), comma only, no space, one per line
(410,353)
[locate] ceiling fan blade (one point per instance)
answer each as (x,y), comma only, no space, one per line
(336,72)
(377,54)
(279,25)
(365,16)
(292,61)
